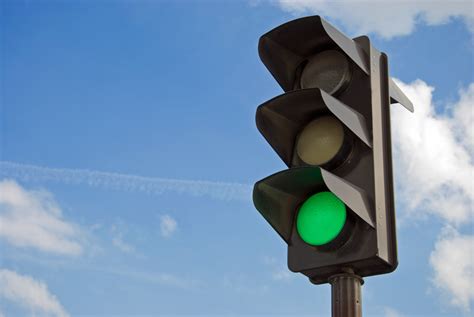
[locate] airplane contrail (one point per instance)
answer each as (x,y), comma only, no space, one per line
(125,182)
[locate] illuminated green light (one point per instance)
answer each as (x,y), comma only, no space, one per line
(321,218)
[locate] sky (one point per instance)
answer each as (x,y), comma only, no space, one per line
(128,152)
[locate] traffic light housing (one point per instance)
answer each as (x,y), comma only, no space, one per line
(334,206)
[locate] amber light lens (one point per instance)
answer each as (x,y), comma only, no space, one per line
(320,141)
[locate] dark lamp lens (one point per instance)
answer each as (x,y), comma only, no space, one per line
(328,70)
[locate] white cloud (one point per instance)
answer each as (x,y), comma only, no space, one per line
(126,182)
(453,264)
(162,278)
(434,170)
(243,284)
(269,260)
(118,240)
(34,219)
(433,163)
(282,275)
(387,18)
(464,118)
(167,226)
(390,312)
(279,272)
(30,294)
(122,245)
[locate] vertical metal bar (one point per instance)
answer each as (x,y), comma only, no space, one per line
(346,296)
(384,201)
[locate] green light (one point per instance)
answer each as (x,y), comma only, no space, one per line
(321,218)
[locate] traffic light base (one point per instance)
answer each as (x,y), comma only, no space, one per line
(346,296)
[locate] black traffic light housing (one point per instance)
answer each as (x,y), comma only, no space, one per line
(325,73)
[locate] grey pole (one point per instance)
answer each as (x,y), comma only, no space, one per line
(346,296)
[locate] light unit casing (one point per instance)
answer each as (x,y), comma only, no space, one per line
(357,94)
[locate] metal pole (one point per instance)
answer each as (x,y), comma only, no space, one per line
(346,295)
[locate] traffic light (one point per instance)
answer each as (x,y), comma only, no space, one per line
(334,206)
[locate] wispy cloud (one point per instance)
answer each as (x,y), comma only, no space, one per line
(118,240)
(282,275)
(30,294)
(279,271)
(33,219)
(125,182)
(162,278)
(373,16)
(167,226)
(243,284)
(390,312)
(179,280)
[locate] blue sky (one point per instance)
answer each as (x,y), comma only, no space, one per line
(129,149)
